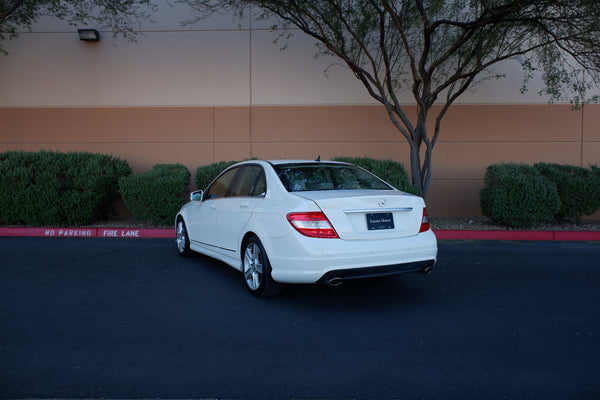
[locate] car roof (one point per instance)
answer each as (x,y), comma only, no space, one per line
(279,162)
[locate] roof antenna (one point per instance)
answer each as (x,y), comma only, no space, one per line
(318,158)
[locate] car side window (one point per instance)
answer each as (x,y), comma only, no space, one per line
(251,182)
(260,186)
(221,186)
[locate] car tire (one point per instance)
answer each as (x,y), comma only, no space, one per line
(257,270)
(182,239)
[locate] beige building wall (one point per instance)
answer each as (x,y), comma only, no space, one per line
(472,138)
(221,90)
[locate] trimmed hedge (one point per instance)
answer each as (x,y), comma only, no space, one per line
(518,196)
(578,189)
(57,189)
(156,195)
(390,171)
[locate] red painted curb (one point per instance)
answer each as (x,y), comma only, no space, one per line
(167,233)
(89,232)
(518,235)
(576,235)
(154,233)
(494,235)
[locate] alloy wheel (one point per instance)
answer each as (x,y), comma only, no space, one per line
(253,265)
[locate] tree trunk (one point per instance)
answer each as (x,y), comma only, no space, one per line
(420,170)
(415,168)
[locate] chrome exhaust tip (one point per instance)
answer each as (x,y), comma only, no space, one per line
(337,281)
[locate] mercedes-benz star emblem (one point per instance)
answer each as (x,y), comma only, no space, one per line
(381,203)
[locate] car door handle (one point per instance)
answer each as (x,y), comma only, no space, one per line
(244,205)
(213,206)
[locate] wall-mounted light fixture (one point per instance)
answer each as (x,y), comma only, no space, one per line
(89,35)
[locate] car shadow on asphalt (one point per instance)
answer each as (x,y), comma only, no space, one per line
(373,293)
(390,291)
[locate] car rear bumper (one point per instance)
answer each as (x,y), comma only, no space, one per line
(335,277)
(316,261)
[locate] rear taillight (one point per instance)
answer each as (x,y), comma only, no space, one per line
(424,221)
(312,224)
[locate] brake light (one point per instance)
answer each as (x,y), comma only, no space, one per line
(424,221)
(312,224)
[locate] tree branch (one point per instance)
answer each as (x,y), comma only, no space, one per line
(11,9)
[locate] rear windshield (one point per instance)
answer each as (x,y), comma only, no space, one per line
(322,176)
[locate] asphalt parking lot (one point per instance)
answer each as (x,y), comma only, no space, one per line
(129,318)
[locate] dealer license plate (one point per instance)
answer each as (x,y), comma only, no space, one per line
(380,221)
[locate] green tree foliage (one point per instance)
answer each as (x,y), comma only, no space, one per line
(119,16)
(439,49)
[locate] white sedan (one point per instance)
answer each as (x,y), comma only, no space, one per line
(296,221)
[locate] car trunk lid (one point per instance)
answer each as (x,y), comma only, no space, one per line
(370,214)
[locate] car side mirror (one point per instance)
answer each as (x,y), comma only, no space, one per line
(196,195)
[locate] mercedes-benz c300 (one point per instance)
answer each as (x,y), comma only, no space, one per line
(291,221)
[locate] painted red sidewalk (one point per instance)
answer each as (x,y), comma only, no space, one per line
(170,234)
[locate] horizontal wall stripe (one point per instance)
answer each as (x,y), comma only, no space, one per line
(470,140)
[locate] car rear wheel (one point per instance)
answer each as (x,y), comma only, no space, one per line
(257,270)
(181,239)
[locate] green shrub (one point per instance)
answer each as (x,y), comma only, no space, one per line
(205,174)
(595,171)
(390,171)
(518,196)
(57,189)
(578,188)
(156,195)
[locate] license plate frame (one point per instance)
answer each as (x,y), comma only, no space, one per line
(380,221)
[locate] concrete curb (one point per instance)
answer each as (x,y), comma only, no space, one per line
(168,233)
